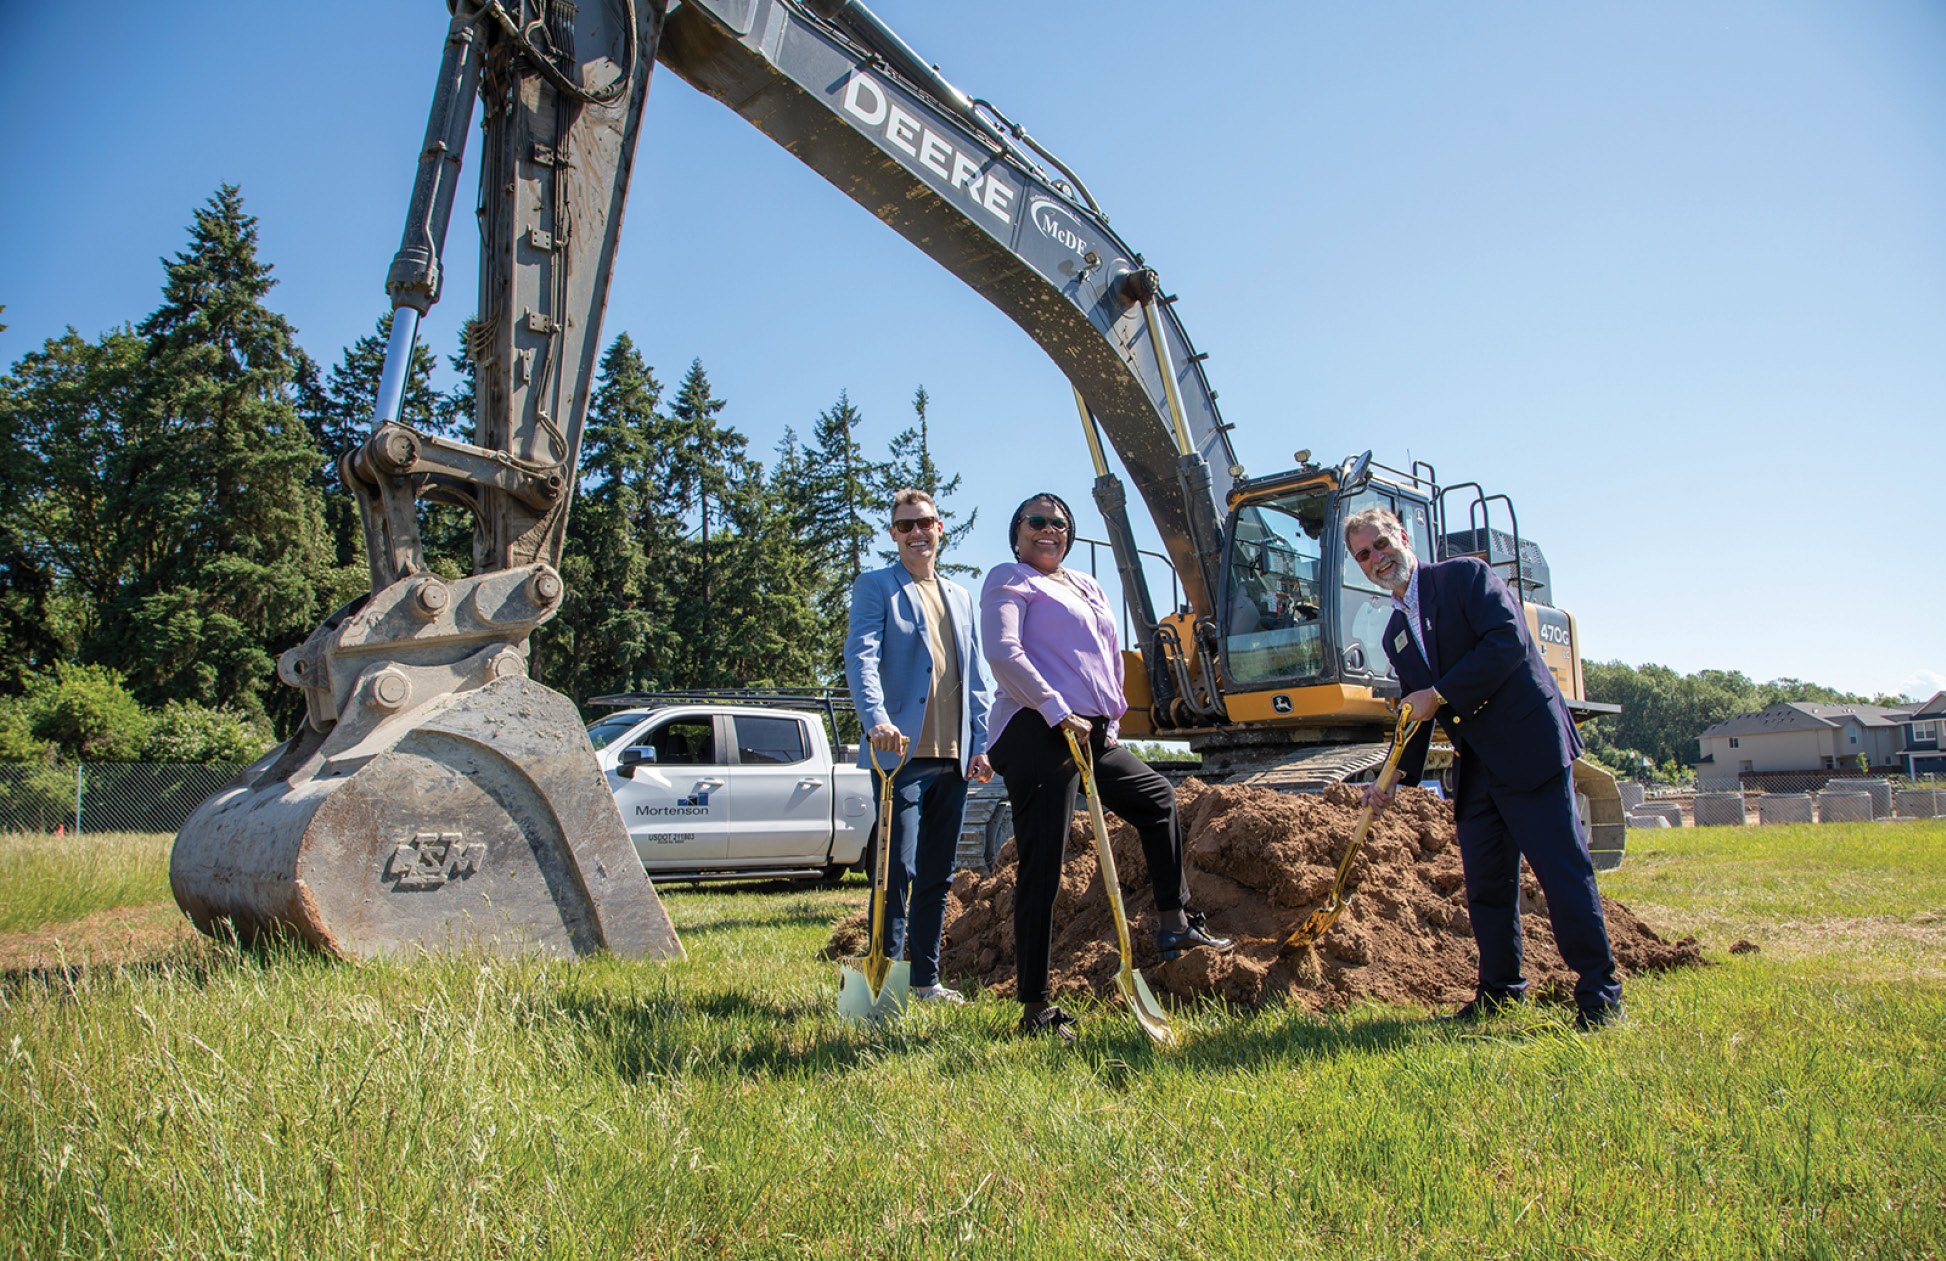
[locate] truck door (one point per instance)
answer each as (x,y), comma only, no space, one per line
(674,805)
(783,792)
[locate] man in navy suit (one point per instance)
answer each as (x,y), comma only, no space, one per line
(1459,645)
(917,678)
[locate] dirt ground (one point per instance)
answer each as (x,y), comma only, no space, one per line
(124,935)
(1259,862)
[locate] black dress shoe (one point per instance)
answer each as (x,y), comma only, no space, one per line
(1047,1021)
(1481,1007)
(1589,1019)
(1173,943)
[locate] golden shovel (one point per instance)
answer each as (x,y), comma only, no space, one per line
(1319,922)
(875,987)
(1135,991)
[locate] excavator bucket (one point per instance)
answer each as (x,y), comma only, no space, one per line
(485,825)
(1600,802)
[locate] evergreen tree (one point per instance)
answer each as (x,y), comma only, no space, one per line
(910,463)
(767,628)
(828,487)
(218,531)
(704,456)
(615,630)
(339,417)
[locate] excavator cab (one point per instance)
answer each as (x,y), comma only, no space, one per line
(1301,624)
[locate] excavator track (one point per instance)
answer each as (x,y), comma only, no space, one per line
(1313,770)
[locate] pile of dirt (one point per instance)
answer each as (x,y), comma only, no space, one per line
(1259,862)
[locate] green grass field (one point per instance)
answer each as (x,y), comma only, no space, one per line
(50,879)
(1783,1103)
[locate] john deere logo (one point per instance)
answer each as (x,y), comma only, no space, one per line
(1281,703)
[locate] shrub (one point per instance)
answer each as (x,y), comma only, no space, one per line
(88,714)
(187,732)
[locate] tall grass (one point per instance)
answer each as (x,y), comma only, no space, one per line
(48,879)
(219,1103)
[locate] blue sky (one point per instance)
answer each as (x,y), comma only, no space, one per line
(1671,275)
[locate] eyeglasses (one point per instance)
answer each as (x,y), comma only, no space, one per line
(1037,522)
(1381,544)
(906,525)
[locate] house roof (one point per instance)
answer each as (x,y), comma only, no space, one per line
(1804,716)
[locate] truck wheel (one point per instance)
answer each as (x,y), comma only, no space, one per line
(999,830)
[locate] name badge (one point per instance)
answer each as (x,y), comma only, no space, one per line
(1398,645)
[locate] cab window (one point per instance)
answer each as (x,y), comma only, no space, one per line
(1365,607)
(770,741)
(683,742)
(1272,629)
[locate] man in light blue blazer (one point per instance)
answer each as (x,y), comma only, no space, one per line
(918,681)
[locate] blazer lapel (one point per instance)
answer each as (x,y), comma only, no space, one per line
(959,607)
(1428,604)
(1399,643)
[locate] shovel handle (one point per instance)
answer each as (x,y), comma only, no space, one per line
(882,868)
(1104,853)
(1320,921)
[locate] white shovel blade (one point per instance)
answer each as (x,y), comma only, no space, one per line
(855,1001)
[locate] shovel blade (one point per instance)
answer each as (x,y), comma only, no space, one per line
(1146,1009)
(861,1002)
(1313,929)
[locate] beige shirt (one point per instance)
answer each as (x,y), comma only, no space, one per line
(939,736)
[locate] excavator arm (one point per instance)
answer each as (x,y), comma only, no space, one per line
(436,794)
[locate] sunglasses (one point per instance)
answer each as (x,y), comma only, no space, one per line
(907,525)
(1381,545)
(1037,522)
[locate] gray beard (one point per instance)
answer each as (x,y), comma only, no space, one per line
(1408,566)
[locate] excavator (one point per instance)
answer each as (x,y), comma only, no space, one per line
(438,797)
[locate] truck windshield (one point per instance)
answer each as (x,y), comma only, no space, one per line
(605,731)
(1274,630)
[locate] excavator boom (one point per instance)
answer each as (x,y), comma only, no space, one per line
(832,85)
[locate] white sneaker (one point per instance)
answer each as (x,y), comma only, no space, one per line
(936,993)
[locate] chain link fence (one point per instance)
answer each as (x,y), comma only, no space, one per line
(106,796)
(1787,797)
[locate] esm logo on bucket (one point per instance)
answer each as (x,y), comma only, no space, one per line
(1055,225)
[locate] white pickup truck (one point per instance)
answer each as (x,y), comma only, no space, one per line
(719,786)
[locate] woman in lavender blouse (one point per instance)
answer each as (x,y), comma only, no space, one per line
(1049,634)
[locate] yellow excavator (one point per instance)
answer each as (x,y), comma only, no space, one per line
(436,795)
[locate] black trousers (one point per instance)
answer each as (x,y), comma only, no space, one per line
(1497,825)
(1042,782)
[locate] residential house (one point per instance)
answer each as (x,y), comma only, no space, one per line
(1923,724)
(1798,737)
